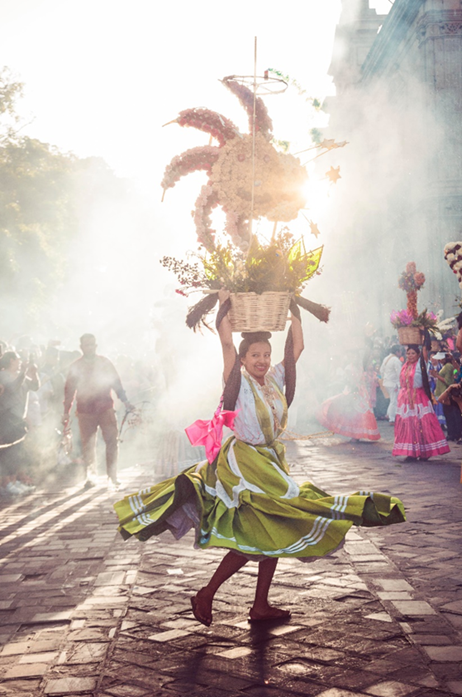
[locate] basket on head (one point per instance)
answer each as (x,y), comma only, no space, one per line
(409,335)
(253,312)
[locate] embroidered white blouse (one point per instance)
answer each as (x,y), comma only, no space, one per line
(246,426)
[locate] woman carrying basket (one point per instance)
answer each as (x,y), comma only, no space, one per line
(245,500)
(418,434)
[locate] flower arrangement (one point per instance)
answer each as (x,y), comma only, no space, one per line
(453,255)
(411,281)
(279,180)
(283,265)
(250,179)
(273,187)
(189,161)
(209,121)
(403,318)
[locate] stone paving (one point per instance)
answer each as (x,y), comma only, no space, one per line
(84,613)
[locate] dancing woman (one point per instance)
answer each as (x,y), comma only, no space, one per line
(245,500)
(418,434)
(350,413)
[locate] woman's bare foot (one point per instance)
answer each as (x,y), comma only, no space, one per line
(202,607)
(268,613)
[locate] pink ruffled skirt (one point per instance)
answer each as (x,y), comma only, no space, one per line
(349,415)
(417,431)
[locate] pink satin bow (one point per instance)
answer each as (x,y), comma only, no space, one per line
(209,433)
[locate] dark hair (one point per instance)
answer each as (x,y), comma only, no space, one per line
(233,383)
(231,391)
(414,347)
(6,359)
(395,349)
(459,320)
(87,336)
(249,338)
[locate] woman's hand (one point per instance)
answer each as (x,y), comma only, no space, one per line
(223,295)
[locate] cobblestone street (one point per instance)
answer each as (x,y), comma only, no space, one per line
(84,613)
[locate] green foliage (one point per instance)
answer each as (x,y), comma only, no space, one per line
(282,265)
(426,319)
(300,89)
(282,145)
(316,135)
(10,92)
(45,195)
(36,219)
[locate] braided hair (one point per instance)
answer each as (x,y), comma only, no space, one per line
(423,368)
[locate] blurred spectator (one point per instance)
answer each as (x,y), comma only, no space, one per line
(444,378)
(91,380)
(451,399)
(390,371)
(17,379)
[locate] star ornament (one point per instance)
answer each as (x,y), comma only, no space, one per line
(327,143)
(330,144)
(334,174)
(314,229)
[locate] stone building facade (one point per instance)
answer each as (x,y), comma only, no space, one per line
(398,80)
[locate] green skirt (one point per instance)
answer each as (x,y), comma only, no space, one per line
(247,502)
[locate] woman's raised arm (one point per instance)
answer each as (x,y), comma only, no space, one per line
(297,336)
(226,338)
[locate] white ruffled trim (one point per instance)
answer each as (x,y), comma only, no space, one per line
(419,411)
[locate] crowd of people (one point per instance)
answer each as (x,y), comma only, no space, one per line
(242,499)
(41,428)
(417,389)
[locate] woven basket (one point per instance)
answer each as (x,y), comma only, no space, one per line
(251,312)
(409,335)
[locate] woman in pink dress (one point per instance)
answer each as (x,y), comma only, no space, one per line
(350,413)
(418,434)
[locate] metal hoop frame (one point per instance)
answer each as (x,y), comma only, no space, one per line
(263,86)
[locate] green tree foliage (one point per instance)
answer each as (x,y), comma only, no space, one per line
(10,92)
(36,212)
(36,220)
(45,195)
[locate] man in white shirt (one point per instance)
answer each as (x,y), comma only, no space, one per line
(389,372)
